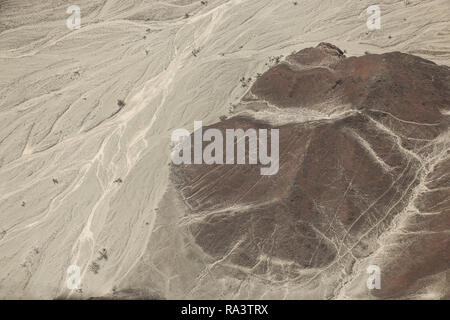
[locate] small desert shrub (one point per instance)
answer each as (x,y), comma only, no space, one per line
(121,103)
(94,267)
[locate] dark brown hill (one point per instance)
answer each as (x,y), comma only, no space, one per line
(366,180)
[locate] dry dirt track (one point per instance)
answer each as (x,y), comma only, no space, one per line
(61,120)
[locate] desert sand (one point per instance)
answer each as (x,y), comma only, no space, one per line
(81,173)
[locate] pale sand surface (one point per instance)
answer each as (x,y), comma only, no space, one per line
(60,119)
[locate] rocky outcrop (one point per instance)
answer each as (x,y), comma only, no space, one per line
(363,178)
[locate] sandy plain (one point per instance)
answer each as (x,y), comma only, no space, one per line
(80,174)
